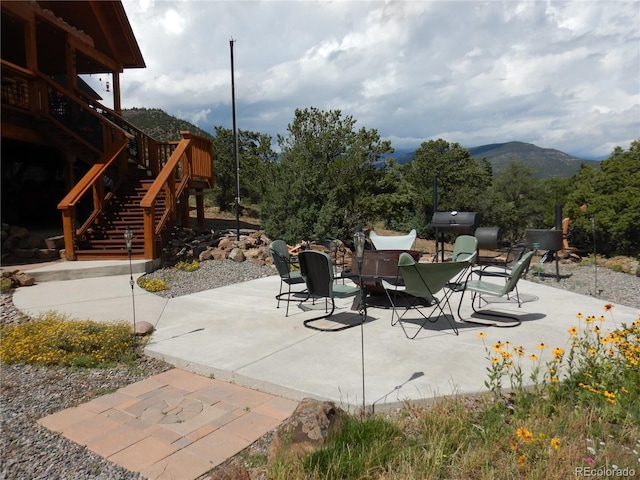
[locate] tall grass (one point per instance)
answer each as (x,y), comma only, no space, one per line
(576,413)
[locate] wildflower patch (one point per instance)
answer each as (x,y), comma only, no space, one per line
(53,339)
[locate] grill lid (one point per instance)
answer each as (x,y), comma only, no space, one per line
(454,220)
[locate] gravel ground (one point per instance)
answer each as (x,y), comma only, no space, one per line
(211,274)
(608,285)
(29,451)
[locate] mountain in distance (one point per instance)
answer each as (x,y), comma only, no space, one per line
(547,162)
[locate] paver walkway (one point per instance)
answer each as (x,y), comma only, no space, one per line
(175,425)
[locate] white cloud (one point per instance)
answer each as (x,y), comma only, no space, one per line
(559,74)
(173,22)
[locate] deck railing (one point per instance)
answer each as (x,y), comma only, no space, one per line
(190,159)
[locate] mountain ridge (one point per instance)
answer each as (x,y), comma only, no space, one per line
(546,162)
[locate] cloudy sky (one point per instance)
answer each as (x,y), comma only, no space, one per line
(562,75)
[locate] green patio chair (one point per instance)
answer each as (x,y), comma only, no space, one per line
(288,274)
(465,249)
(317,271)
(422,282)
(483,287)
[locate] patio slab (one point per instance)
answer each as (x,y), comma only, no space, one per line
(243,365)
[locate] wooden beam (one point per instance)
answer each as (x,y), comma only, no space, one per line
(117,105)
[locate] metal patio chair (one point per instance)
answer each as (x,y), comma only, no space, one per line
(317,271)
(482,287)
(422,282)
(288,275)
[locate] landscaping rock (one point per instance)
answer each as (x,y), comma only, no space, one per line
(20,246)
(307,428)
(23,279)
(232,472)
(18,278)
(237,255)
(143,328)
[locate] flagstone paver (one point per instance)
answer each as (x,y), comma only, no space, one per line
(174,425)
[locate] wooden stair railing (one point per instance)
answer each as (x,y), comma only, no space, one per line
(191,159)
(92,182)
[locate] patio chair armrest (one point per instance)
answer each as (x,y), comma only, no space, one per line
(496,271)
(439,251)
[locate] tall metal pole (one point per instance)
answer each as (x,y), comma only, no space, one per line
(235,142)
(128,238)
(596,292)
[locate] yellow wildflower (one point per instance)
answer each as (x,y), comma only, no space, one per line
(555,443)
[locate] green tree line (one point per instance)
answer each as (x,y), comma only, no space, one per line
(326,179)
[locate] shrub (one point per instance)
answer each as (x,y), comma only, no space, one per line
(187,266)
(152,284)
(5,285)
(53,339)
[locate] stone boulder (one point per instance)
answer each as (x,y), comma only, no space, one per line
(20,246)
(143,328)
(237,255)
(307,428)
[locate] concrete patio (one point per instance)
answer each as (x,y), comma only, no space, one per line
(236,334)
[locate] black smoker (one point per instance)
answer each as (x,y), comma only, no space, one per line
(461,223)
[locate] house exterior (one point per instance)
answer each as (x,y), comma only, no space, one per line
(67,160)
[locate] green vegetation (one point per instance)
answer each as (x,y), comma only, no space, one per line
(607,201)
(581,413)
(54,340)
(6,284)
(152,284)
(257,156)
(187,266)
(324,180)
(159,125)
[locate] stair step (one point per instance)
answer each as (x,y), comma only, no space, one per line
(118,242)
(108,255)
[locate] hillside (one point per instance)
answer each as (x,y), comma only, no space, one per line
(160,125)
(546,161)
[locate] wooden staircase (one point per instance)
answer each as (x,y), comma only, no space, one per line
(104,240)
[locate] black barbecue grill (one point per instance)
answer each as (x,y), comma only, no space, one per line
(549,240)
(453,222)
